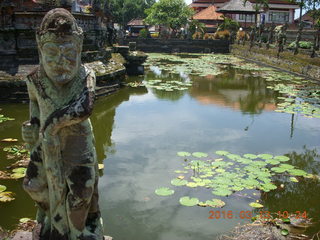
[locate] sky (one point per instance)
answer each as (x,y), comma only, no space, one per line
(295,16)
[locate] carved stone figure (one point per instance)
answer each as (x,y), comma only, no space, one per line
(62,175)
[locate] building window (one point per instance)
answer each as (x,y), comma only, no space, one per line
(250,18)
(279,17)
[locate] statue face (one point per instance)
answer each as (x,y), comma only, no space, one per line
(61,60)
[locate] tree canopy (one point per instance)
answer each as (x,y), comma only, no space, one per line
(125,10)
(171,13)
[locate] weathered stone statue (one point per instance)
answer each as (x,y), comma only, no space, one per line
(62,175)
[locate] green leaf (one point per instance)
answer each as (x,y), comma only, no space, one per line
(272,161)
(24,220)
(265,156)
(19,170)
(284,232)
(17,175)
(199,154)
(250,156)
(192,184)
(6,196)
(222,153)
(183,154)
(278,170)
(293,179)
(222,192)
(189,202)
(297,172)
(164,191)
(282,158)
(2,188)
(178,182)
(256,205)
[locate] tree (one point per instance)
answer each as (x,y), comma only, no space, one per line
(172,13)
(125,10)
(259,4)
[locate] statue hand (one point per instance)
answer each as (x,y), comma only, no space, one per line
(30,133)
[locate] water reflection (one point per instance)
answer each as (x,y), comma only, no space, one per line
(302,196)
(235,89)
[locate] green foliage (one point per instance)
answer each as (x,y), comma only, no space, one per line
(125,10)
(3,118)
(143,33)
(196,26)
(171,13)
(302,44)
(229,24)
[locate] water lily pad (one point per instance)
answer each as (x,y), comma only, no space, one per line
(221,192)
(272,161)
(9,140)
(24,220)
(189,202)
(278,170)
(286,166)
(192,184)
(6,196)
(265,156)
(178,182)
(19,170)
(164,191)
(199,154)
(284,232)
(17,175)
(214,203)
(183,154)
(180,171)
(2,188)
(250,156)
(282,158)
(222,153)
(297,172)
(256,205)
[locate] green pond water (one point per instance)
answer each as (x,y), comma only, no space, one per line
(197,104)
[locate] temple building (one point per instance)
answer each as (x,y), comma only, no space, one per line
(20,18)
(279,12)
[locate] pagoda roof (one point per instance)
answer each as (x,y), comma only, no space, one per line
(208,14)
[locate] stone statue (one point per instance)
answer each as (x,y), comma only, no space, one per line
(62,175)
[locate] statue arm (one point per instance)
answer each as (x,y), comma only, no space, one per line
(30,129)
(74,112)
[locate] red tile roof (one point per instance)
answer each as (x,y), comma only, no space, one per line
(208,14)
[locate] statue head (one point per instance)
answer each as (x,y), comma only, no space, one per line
(59,42)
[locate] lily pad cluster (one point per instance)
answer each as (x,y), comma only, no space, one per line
(4,195)
(21,157)
(167,86)
(193,64)
(4,119)
(230,173)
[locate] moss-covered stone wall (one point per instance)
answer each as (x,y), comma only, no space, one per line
(301,63)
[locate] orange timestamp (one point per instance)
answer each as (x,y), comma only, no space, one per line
(284,214)
(230,214)
(249,214)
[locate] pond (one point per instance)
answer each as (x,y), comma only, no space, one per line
(238,118)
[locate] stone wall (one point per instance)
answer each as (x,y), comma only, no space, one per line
(178,45)
(301,63)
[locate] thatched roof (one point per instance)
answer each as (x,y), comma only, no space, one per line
(237,6)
